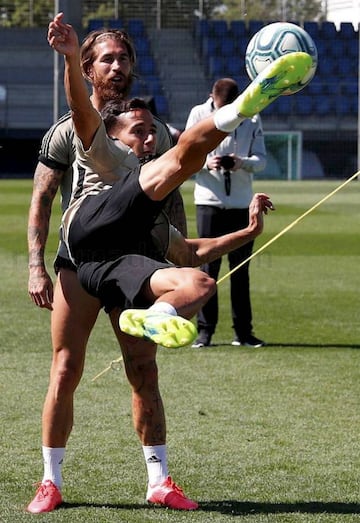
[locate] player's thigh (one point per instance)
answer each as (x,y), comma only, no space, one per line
(74,312)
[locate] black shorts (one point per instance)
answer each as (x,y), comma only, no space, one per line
(110,240)
(114,223)
(118,283)
(63,263)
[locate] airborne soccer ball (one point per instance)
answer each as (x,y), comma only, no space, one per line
(275,40)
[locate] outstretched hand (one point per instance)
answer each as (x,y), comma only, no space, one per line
(62,37)
(259,205)
(263,201)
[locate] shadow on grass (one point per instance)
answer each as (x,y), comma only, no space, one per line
(316,345)
(286,345)
(116,506)
(241,508)
(238,508)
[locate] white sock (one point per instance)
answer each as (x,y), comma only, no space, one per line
(156,463)
(53,460)
(163,306)
(226,118)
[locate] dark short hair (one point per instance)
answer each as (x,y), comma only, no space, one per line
(226,89)
(87,54)
(113,109)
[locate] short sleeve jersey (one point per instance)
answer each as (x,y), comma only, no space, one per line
(58,151)
(98,168)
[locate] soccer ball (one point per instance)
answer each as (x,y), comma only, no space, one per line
(275,40)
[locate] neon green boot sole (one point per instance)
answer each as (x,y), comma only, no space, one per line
(278,77)
(163,329)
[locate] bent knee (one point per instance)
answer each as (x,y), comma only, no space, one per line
(205,284)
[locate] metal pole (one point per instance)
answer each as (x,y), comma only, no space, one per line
(201,8)
(289,157)
(31,13)
(158,14)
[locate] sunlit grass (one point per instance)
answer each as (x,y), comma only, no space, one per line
(268,435)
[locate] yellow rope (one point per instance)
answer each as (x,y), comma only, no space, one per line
(290,226)
(114,365)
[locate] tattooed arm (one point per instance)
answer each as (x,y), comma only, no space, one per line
(46,183)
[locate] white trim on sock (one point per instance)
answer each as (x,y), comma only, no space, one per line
(53,460)
(163,306)
(226,118)
(156,463)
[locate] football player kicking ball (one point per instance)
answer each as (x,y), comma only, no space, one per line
(109,233)
(137,201)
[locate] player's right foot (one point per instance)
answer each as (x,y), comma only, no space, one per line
(278,77)
(170,495)
(46,499)
(161,328)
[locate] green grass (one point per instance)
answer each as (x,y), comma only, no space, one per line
(267,435)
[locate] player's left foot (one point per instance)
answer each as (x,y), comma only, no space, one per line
(170,495)
(279,76)
(161,328)
(46,499)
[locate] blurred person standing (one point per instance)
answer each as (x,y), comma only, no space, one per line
(223,191)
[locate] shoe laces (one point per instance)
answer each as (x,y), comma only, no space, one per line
(174,487)
(43,489)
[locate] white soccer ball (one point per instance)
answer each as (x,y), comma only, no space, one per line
(275,40)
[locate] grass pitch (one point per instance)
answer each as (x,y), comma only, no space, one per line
(265,435)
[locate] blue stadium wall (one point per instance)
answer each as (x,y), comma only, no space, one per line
(326,111)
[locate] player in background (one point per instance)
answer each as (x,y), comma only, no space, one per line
(108,61)
(222,194)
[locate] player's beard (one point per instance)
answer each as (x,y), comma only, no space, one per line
(111,90)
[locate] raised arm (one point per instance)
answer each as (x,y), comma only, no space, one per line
(63,38)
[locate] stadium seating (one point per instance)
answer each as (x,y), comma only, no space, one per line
(337,65)
(210,46)
(218,28)
(313,29)
(328,31)
(238,29)
(228,47)
(147,83)
(161,105)
(347,31)
(142,45)
(136,27)
(254,27)
(304,104)
(221,45)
